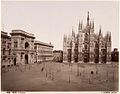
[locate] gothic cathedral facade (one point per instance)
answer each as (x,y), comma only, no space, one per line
(86,46)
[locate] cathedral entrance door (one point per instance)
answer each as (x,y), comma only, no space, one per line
(26,59)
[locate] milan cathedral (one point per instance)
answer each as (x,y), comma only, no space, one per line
(86,46)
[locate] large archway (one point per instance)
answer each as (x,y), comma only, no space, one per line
(26,59)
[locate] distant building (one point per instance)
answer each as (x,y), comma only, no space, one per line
(7,57)
(86,46)
(115,55)
(58,55)
(43,51)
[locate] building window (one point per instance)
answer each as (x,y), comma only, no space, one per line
(3,51)
(9,44)
(9,51)
(21,55)
(85,46)
(26,45)
(35,47)
(22,38)
(4,43)
(14,53)
(15,44)
(4,58)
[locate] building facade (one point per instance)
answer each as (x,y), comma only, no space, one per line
(86,46)
(6,52)
(43,51)
(21,48)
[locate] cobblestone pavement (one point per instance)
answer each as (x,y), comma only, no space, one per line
(53,76)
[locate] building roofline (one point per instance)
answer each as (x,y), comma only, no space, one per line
(43,43)
(2,32)
(21,32)
(5,35)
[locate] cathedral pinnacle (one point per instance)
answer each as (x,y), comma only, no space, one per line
(100,30)
(73,33)
(88,19)
(80,26)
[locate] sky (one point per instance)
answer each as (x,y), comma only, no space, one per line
(50,20)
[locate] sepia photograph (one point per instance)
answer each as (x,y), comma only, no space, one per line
(60,46)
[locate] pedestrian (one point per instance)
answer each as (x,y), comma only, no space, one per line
(42,69)
(90,80)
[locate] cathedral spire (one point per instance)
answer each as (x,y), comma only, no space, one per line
(100,34)
(64,39)
(79,26)
(110,37)
(107,36)
(100,31)
(88,19)
(73,33)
